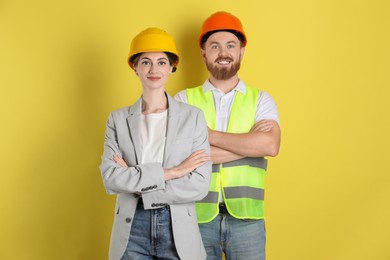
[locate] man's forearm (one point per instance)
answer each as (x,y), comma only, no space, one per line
(219,155)
(252,144)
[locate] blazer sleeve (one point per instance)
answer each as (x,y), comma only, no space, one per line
(193,186)
(133,179)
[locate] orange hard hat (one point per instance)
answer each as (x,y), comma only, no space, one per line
(222,21)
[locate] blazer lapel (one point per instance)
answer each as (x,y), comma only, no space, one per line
(172,126)
(133,121)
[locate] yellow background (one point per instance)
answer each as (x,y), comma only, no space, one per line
(326,63)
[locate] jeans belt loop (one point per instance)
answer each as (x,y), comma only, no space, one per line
(223,209)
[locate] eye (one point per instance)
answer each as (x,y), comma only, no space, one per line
(231,46)
(162,63)
(145,62)
(214,46)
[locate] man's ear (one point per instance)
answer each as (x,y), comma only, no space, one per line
(203,54)
(242,53)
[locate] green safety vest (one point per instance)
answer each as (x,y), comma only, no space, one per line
(242,181)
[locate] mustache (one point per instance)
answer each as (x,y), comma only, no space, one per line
(224,58)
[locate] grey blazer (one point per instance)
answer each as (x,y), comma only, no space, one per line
(186,133)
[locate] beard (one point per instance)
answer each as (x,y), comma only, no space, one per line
(223,73)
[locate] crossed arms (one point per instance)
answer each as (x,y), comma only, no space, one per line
(262,140)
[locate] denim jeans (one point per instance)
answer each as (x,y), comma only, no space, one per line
(238,239)
(151,236)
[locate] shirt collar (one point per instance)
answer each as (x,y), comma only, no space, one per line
(207,86)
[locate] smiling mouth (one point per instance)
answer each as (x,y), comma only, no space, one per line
(224,61)
(153,78)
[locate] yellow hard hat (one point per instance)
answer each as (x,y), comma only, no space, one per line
(152,40)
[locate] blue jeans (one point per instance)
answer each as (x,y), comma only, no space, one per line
(238,239)
(151,236)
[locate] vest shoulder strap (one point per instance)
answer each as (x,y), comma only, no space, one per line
(204,101)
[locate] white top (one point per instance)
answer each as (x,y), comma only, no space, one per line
(266,107)
(153,132)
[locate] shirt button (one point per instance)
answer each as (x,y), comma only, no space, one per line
(128,220)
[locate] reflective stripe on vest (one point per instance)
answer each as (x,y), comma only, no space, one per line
(242,180)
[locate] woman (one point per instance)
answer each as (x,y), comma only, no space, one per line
(156,159)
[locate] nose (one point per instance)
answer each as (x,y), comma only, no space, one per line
(222,51)
(153,69)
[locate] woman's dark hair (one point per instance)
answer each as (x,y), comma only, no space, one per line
(171,57)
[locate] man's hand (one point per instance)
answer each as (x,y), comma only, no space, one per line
(264,126)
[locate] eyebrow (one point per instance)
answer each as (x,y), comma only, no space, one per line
(229,42)
(147,58)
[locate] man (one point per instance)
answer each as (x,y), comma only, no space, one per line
(243,129)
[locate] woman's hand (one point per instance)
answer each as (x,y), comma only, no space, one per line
(192,162)
(119,160)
